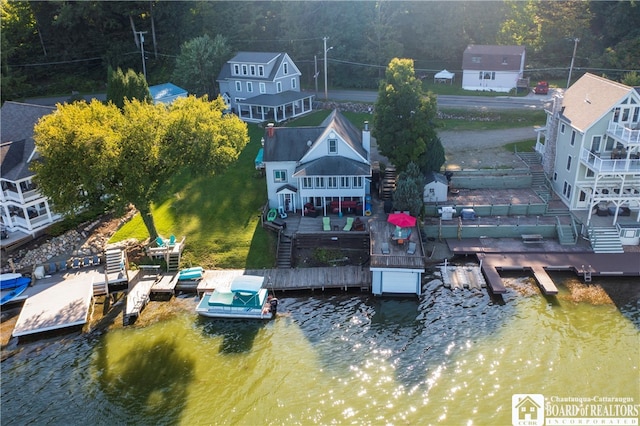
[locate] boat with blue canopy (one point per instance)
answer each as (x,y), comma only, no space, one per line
(14,280)
(245,298)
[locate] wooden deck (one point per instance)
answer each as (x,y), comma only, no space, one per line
(343,277)
(398,257)
(583,264)
(166,284)
(138,297)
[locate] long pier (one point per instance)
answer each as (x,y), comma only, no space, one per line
(585,265)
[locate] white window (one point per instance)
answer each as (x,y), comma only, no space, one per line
(285,68)
(562,128)
(252,69)
(261,70)
(333,146)
(244,69)
(345,182)
(636,111)
(293,83)
(307,182)
(566,189)
(319,182)
(249,87)
(595,144)
(263,88)
(476,59)
(279,86)
(238,86)
(569,162)
(280,175)
(616,114)
(573,137)
(583,196)
(357,181)
(332,182)
(236,69)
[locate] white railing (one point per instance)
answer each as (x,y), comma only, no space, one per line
(625,134)
(600,165)
(23,197)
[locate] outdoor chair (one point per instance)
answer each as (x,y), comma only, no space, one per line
(75,263)
(412,248)
(86,262)
(51,269)
(385,248)
(172,240)
(326,223)
(96,260)
(159,241)
(349,224)
(62,265)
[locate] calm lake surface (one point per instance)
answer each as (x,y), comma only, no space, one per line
(451,358)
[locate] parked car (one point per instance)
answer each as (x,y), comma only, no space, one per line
(542,88)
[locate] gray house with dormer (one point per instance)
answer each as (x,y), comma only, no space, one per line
(263,86)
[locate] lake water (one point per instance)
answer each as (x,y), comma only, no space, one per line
(451,358)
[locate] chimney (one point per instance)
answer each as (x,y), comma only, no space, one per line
(366,139)
(270,130)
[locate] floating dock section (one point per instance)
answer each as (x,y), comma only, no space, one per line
(65,304)
(458,277)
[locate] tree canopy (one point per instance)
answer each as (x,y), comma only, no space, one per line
(404,119)
(121,86)
(96,155)
(199,64)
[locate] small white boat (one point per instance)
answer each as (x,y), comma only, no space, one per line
(245,298)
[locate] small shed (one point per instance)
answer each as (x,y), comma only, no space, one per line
(435,188)
(166,93)
(444,76)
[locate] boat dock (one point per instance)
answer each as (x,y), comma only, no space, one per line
(458,277)
(344,277)
(585,265)
(138,295)
(60,302)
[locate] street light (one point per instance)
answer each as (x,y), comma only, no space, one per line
(144,65)
(324,39)
(573,57)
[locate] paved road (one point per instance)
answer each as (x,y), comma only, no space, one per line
(530,101)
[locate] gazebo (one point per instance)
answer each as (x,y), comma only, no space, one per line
(444,76)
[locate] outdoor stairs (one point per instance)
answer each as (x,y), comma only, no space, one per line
(285,250)
(388,184)
(173,261)
(605,240)
(538,178)
(114,261)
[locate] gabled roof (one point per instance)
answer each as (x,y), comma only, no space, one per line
(435,177)
(258,58)
(590,98)
(492,57)
(16,137)
(18,120)
(292,143)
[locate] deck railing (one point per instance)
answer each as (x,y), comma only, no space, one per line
(625,134)
(601,165)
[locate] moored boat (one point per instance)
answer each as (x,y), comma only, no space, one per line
(9,281)
(14,293)
(245,298)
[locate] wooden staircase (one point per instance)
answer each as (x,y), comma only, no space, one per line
(605,240)
(285,252)
(388,183)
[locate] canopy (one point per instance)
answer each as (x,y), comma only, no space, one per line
(247,284)
(402,220)
(444,76)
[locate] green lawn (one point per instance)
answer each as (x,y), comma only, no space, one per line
(218,215)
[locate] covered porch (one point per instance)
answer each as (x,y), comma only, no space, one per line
(275,107)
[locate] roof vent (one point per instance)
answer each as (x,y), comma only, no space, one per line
(309,143)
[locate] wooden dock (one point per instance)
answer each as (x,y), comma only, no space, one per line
(165,284)
(343,277)
(137,297)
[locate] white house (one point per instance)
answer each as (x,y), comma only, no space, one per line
(590,149)
(492,68)
(325,167)
(23,210)
(263,86)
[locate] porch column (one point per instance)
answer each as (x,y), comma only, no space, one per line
(262,112)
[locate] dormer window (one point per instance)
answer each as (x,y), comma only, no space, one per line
(504,60)
(244,70)
(261,70)
(252,69)
(333,146)
(285,68)
(476,59)
(236,69)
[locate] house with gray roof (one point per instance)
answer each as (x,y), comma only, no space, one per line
(325,168)
(23,210)
(263,86)
(492,68)
(590,149)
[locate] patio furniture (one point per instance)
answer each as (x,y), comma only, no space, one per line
(412,248)
(86,261)
(159,241)
(51,269)
(385,248)
(62,265)
(358,225)
(348,225)
(282,213)
(172,240)
(326,223)
(75,263)
(96,260)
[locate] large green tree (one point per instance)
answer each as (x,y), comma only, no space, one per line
(97,155)
(199,63)
(404,120)
(130,85)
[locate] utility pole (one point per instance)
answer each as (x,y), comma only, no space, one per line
(324,39)
(316,73)
(144,65)
(573,57)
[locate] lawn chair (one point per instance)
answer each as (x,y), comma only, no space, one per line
(412,248)
(385,248)
(349,224)
(86,262)
(62,265)
(96,259)
(51,269)
(326,223)
(159,241)
(75,263)
(172,240)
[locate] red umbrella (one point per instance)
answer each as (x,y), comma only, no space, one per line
(402,220)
